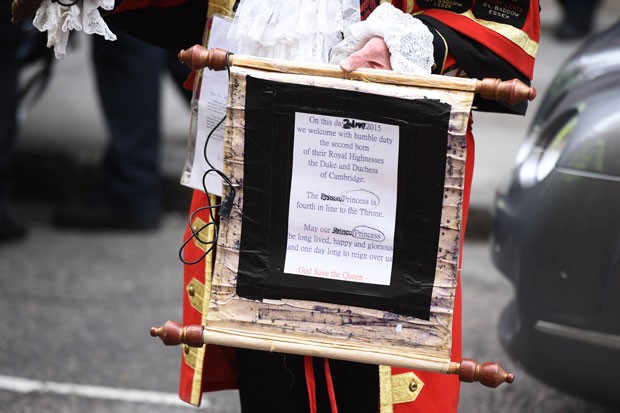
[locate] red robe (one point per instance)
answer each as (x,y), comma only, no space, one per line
(499,36)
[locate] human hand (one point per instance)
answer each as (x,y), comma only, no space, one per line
(387,39)
(375,54)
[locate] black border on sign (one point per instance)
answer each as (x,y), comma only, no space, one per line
(270,109)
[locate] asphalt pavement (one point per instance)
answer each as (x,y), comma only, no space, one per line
(76,308)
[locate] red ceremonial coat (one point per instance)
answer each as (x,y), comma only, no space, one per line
(508,31)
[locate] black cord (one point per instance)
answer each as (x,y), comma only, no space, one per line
(224,207)
(71,3)
(196,235)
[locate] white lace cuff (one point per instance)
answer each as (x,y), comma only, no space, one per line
(408,39)
(59,20)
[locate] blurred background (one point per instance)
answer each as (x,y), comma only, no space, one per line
(76,305)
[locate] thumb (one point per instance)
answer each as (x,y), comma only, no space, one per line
(375,54)
(353,62)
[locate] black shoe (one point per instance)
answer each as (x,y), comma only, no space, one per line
(11,228)
(97,216)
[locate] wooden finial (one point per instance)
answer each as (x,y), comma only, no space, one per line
(173,333)
(512,91)
(197,57)
(23,9)
(488,374)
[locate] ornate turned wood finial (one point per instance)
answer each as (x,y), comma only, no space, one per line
(197,57)
(488,374)
(23,9)
(173,333)
(512,91)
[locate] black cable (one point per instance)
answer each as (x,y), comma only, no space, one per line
(225,206)
(71,3)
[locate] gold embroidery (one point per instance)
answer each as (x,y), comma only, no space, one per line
(410,6)
(406,387)
(195,292)
(518,37)
(197,381)
(398,388)
(220,7)
(202,239)
(445,54)
(189,356)
(385,390)
(206,298)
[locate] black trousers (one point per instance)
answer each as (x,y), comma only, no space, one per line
(128,73)
(10,38)
(273,382)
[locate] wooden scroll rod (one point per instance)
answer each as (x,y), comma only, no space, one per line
(512,91)
(172,333)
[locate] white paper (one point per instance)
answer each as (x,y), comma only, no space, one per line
(342,207)
(211,110)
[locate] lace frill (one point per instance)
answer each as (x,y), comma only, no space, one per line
(408,39)
(59,20)
(292,29)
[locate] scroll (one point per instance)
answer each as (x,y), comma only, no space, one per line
(342,234)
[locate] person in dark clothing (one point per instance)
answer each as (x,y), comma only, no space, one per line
(578,18)
(11,229)
(126,193)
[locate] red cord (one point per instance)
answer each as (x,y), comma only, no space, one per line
(310,384)
(330,387)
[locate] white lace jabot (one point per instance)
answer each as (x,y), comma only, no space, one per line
(59,20)
(303,30)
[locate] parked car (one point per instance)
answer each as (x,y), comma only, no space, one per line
(556,230)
